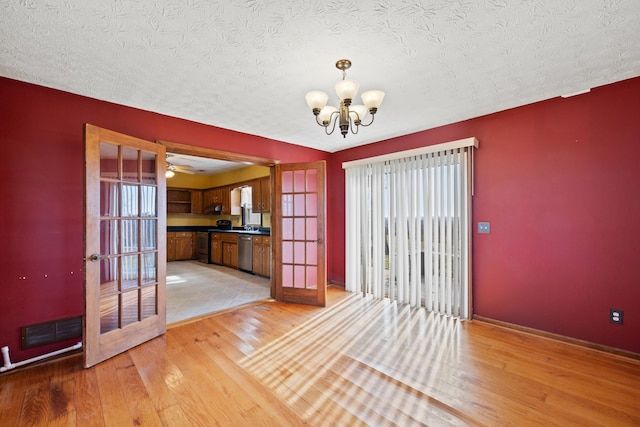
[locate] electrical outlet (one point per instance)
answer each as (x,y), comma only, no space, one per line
(484,227)
(615,316)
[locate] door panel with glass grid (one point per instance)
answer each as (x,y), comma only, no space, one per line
(124,245)
(300,248)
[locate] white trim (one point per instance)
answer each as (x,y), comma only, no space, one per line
(580,92)
(452,145)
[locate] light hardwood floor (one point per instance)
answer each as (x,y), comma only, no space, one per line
(356,362)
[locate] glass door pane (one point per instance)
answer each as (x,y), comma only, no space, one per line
(128,236)
(299,229)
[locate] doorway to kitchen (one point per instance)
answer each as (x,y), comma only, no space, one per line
(195,288)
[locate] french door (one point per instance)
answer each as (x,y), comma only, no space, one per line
(299,244)
(125,247)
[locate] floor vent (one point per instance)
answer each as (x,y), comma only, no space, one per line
(51,332)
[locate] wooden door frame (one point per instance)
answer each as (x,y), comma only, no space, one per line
(212,153)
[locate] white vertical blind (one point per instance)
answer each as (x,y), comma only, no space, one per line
(408,229)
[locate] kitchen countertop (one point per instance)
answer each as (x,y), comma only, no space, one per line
(260,232)
(238,231)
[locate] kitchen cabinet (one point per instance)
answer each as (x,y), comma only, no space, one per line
(211,196)
(182,201)
(261,195)
(225,194)
(262,255)
(196,202)
(230,250)
(178,201)
(181,246)
(185,246)
(171,246)
(215,254)
(218,196)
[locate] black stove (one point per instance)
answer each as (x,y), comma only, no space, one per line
(223,224)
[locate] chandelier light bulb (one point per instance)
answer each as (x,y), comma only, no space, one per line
(357,113)
(347,89)
(326,112)
(316,99)
(372,98)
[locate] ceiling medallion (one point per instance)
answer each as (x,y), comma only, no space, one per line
(347,115)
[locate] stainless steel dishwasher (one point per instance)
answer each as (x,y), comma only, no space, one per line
(245,253)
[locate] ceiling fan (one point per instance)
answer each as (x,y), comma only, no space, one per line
(180,168)
(172,169)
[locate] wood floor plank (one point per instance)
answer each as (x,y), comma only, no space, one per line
(12,390)
(199,393)
(173,416)
(89,411)
(135,394)
(224,344)
(358,361)
(35,404)
(243,405)
(225,335)
(62,400)
(158,372)
(115,408)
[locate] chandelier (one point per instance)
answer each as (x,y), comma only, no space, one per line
(348,115)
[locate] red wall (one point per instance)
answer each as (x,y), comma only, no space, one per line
(41,194)
(559,181)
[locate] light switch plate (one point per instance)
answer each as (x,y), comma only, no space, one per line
(484,227)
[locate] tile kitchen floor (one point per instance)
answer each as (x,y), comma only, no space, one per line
(195,288)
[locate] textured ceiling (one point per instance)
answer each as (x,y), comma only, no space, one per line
(246,65)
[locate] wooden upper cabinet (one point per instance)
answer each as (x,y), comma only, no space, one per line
(261,195)
(211,196)
(225,194)
(202,200)
(218,196)
(196,202)
(207,198)
(178,201)
(184,201)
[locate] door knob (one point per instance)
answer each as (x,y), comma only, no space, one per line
(95,257)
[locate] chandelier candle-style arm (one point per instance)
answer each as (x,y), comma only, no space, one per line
(347,116)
